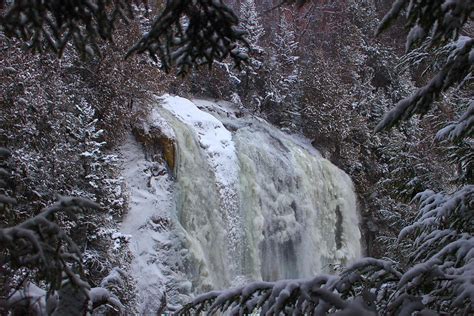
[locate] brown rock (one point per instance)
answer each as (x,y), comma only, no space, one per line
(156,145)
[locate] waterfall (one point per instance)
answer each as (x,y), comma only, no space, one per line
(251,202)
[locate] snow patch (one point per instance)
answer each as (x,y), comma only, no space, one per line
(148,200)
(214,138)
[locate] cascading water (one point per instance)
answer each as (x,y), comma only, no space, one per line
(251,202)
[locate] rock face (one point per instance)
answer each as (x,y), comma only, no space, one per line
(157,142)
(148,159)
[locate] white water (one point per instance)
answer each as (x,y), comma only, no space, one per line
(248,203)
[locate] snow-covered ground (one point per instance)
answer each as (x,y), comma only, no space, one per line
(146,224)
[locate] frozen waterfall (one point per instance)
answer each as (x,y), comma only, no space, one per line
(248,202)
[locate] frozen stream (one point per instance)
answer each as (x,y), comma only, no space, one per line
(244,202)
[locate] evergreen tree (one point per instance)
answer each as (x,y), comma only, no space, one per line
(250,23)
(249,81)
(282,91)
(210,32)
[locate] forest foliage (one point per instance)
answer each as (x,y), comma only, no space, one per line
(337,93)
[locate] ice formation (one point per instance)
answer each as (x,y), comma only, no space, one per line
(248,203)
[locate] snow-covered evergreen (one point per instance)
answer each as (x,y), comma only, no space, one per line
(283,84)
(226,199)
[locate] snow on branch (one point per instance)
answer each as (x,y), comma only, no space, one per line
(189,33)
(458,65)
(442,253)
(100,296)
(437,20)
(53,24)
(436,23)
(463,127)
(450,273)
(348,293)
(268,297)
(29,297)
(40,243)
(438,210)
